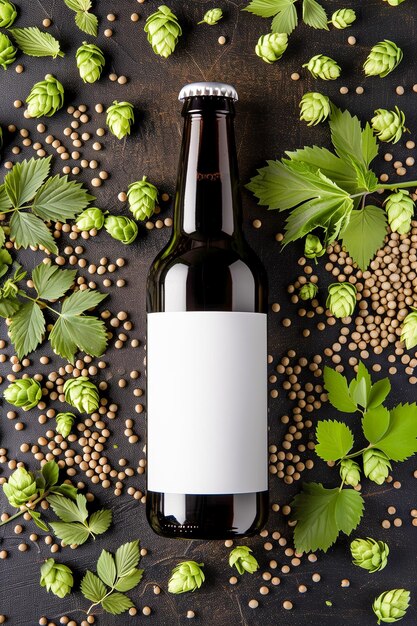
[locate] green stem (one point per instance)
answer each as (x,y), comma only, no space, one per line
(410,183)
(40,303)
(25,510)
(355,454)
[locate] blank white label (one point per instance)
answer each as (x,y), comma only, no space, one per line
(207,402)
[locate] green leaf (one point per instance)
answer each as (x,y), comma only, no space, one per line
(28,230)
(338,391)
(81,502)
(363,375)
(5,202)
(5,259)
(50,472)
(117,603)
(92,588)
(106,568)
(68,510)
(400,440)
(99,522)
(81,301)
(365,234)
(78,332)
(87,22)
(60,199)
(69,491)
(286,20)
(335,439)
(36,43)
(314,15)
(70,532)
(78,5)
(379,391)
(2,237)
(9,306)
(332,166)
(266,8)
(36,517)
(130,580)
(375,423)
(27,328)
(51,282)
(25,178)
(369,145)
(322,513)
(127,557)
(360,394)
(351,142)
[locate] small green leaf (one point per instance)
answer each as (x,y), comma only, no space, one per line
(78,5)
(28,230)
(379,392)
(360,395)
(5,259)
(365,234)
(287,19)
(50,472)
(81,301)
(129,581)
(36,517)
(117,603)
(51,282)
(2,235)
(69,491)
(335,440)
(349,510)
(36,43)
(106,568)
(92,588)
(87,22)
(68,510)
(60,199)
(5,202)
(70,532)
(9,306)
(338,391)
(400,440)
(375,423)
(27,328)
(127,557)
(100,521)
(314,15)
(25,178)
(363,374)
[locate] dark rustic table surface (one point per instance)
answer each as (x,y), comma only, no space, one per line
(266,125)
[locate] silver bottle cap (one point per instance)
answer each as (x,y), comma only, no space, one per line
(208,89)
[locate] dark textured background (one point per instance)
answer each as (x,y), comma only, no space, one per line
(266,125)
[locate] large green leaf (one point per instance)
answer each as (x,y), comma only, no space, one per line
(27,328)
(60,199)
(365,234)
(400,440)
(314,15)
(51,282)
(339,171)
(22,182)
(78,332)
(334,440)
(287,19)
(28,230)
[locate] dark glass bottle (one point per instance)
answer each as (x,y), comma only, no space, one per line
(206,278)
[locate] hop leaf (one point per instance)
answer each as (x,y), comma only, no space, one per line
(121,228)
(384,57)
(21,487)
(400,210)
(243,560)
(57,578)
(341,300)
(369,554)
(314,108)
(186,576)
(321,66)
(82,394)
(308,291)
(271,47)
(211,17)
(64,422)
(90,62)
(389,125)
(313,247)
(343,18)
(8,13)
(46,97)
(25,393)
(163,31)
(119,118)
(391,606)
(142,197)
(90,218)
(7,51)
(350,472)
(376,465)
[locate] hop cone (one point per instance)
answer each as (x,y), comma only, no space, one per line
(163,31)
(369,554)
(119,118)
(46,97)
(142,197)
(409,329)
(271,47)
(121,228)
(391,606)
(341,300)
(308,291)
(186,576)
(7,51)
(350,472)
(383,59)
(389,125)
(400,210)
(343,18)
(82,394)
(20,487)
(321,66)
(211,17)
(90,218)
(8,13)
(241,558)
(56,578)
(90,62)
(313,248)
(64,422)
(315,108)
(376,465)
(394,3)
(25,393)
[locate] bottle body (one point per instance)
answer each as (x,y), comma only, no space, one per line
(206,300)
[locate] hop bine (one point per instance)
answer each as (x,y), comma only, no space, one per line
(163,31)
(121,228)
(186,576)
(384,57)
(90,218)
(120,118)
(321,66)
(400,210)
(57,578)
(343,18)
(64,422)
(391,606)
(24,393)
(313,248)
(341,300)
(308,291)
(211,17)
(409,329)
(20,488)
(314,108)
(376,465)
(271,47)
(90,62)
(369,554)
(389,126)
(7,51)
(243,560)
(8,13)
(46,97)
(142,197)
(350,472)
(82,394)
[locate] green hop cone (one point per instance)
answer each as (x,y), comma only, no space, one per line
(46,97)
(321,66)
(391,606)
(243,560)
(57,578)
(341,299)
(25,393)
(308,291)
(121,228)
(369,554)
(394,3)
(8,13)
(120,118)
(90,218)
(376,465)
(5,261)
(409,329)
(271,47)
(142,197)
(343,18)
(82,394)
(383,59)
(389,126)
(90,62)
(186,576)
(64,422)
(350,472)
(314,108)
(163,31)
(313,248)
(400,210)
(7,51)
(20,488)
(211,17)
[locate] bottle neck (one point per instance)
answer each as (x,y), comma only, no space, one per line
(207,201)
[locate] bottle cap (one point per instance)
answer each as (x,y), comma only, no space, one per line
(208,89)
